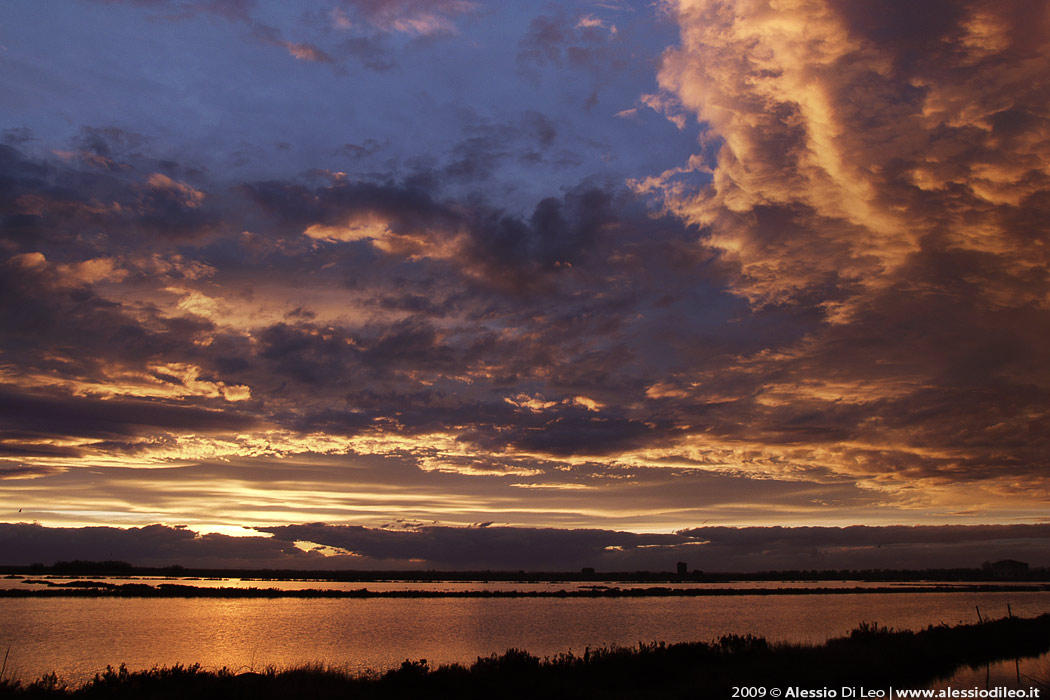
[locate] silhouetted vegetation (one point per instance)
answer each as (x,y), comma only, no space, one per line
(871,656)
(79,566)
(89,568)
(97,589)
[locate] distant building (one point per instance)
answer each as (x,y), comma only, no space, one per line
(587,571)
(683,569)
(1009,568)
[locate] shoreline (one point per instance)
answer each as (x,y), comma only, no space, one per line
(119,569)
(97,589)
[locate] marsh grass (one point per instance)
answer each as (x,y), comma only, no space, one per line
(870,655)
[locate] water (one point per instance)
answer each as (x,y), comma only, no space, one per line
(76,637)
(1013,673)
(37,582)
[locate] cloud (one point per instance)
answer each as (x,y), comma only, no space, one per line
(587,42)
(383,15)
(490,547)
(494,547)
(42,415)
(863,547)
(844,153)
(152,545)
(61,200)
(301,51)
(407,221)
(408,17)
(545,130)
(875,169)
(307,52)
(854,298)
(421,311)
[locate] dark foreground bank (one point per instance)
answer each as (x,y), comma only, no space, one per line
(870,656)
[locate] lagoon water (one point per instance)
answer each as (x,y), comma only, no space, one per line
(20,582)
(77,637)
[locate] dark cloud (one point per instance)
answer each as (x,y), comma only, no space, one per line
(36,415)
(575,430)
(584,41)
(588,43)
(710,549)
(543,128)
(306,355)
(506,250)
(109,143)
(472,548)
(47,302)
(407,208)
(17,136)
(494,547)
(544,40)
(152,545)
(862,547)
(362,150)
(23,471)
(558,234)
(475,158)
(102,195)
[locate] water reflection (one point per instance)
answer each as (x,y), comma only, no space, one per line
(31,582)
(1013,674)
(77,637)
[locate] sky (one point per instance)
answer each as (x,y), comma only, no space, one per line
(473,284)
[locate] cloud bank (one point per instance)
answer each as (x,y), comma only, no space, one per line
(815,294)
(485,547)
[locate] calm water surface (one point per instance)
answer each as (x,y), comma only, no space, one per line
(35,582)
(76,637)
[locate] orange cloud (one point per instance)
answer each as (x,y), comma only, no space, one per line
(188,196)
(820,123)
(71,274)
(306,52)
(423,18)
(887,173)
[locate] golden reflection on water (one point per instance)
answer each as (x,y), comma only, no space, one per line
(78,637)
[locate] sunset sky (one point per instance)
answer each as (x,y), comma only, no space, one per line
(466,283)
